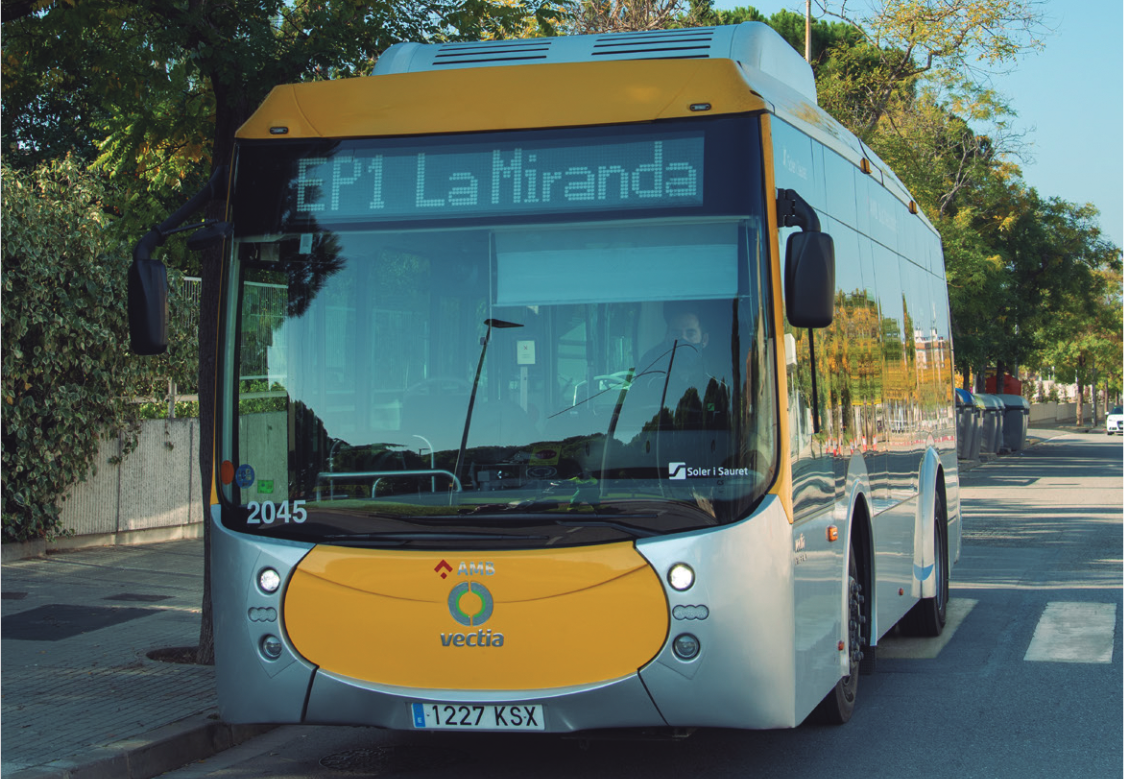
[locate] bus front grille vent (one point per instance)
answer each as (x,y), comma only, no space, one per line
(512,52)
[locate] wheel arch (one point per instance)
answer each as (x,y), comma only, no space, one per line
(931,484)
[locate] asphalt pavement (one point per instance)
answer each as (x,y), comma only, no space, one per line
(81,698)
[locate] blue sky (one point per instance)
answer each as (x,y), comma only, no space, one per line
(1069,101)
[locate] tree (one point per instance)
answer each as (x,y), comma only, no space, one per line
(703,13)
(1084,345)
(214,62)
(610,16)
(945,40)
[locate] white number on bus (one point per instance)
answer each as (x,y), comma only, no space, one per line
(269,511)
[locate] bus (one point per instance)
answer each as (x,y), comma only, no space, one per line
(573,383)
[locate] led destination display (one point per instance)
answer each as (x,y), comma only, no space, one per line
(434,181)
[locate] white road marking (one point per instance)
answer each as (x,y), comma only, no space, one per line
(1074,633)
(910,648)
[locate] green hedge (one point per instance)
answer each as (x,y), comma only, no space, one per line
(67,373)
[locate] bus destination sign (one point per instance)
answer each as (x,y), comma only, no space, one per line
(433,182)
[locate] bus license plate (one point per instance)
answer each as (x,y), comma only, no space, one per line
(469,716)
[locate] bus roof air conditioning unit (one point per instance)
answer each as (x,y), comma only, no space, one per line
(754,45)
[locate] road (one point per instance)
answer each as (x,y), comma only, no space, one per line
(1025,682)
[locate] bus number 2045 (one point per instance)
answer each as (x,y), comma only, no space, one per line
(282,511)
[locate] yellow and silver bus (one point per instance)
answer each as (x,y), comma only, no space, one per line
(574,383)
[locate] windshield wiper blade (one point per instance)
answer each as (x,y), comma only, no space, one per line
(536,511)
(523,507)
(406,538)
(597,521)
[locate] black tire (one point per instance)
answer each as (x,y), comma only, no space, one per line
(838,705)
(927,617)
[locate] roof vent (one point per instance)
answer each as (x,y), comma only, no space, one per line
(511,52)
(661,44)
(757,47)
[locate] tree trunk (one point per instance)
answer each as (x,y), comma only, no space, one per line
(208,339)
(231,113)
(1093,391)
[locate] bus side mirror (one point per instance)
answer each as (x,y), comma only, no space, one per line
(810,279)
(148,307)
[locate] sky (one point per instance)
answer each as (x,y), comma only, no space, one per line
(1068,100)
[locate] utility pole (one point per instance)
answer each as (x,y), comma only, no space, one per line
(808,31)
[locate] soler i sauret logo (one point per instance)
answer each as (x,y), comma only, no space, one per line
(682,472)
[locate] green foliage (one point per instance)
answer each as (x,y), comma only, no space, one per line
(65,371)
(703,13)
(68,379)
(260,397)
(1086,344)
(185,409)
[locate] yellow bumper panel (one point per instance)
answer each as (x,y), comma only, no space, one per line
(511,620)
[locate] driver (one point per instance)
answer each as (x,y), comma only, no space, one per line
(682,352)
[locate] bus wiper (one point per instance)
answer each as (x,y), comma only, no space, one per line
(535,510)
(499,323)
(406,538)
(525,506)
(632,530)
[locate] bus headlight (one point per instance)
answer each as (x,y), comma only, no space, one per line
(681,577)
(685,646)
(269,580)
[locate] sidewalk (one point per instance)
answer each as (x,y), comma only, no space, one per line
(80,698)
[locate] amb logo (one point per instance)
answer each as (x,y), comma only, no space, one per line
(471,605)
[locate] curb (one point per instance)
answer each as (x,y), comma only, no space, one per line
(13,551)
(22,550)
(165,749)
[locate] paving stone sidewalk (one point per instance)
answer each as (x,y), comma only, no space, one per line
(79,695)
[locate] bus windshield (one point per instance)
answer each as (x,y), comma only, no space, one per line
(495,385)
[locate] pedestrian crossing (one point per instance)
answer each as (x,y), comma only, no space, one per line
(1074,633)
(1066,632)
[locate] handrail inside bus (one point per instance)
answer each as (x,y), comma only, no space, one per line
(331,476)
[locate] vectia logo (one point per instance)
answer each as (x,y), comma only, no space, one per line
(471,604)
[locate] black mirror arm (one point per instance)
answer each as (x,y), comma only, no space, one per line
(795,211)
(154,238)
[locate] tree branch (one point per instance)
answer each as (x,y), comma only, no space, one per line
(13,11)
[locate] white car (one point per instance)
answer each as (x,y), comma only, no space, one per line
(1114,423)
